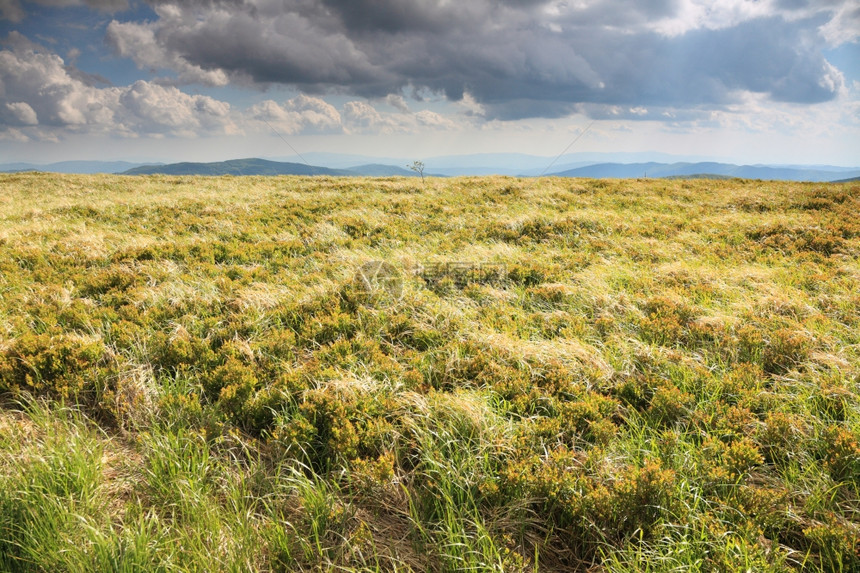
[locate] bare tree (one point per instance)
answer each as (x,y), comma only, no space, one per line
(418,167)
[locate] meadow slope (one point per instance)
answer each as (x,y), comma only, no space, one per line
(631,375)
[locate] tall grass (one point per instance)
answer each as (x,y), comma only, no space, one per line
(663,377)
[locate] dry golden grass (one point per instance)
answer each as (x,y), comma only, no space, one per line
(664,376)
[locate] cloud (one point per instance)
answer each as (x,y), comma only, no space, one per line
(514,58)
(311,115)
(396,101)
(103,5)
(147,107)
(303,114)
(13,11)
(844,26)
(260,43)
(138,42)
(428,118)
(672,61)
(20,112)
(361,117)
(40,98)
(767,56)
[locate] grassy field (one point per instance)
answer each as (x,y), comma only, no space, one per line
(654,375)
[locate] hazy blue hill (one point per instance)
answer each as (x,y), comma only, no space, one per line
(619,170)
(789,174)
(701,169)
(13,167)
(596,165)
(266,167)
(236,167)
(83,167)
(699,176)
(380,170)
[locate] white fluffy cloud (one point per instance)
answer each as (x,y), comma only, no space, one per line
(311,115)
(844,27)
(396,101)
(22,112)
(145,106)
(361,117)
(711,15)
(40,98)
(138,42)
(302,114)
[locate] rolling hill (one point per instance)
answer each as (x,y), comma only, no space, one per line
(255,166)
(252,166)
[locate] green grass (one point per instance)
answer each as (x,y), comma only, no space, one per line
(663,377)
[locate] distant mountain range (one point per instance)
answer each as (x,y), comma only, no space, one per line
(577,165)
(256,166)
(627,170)
(232,167)
(600,170)
(236,167)
(71,167)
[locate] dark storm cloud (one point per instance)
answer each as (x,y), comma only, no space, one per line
(519,58)
(292,50)
(765,55)
(395,16)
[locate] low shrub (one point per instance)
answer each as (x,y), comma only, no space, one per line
(666,322)
(840,451)
(786,349)
(63,366)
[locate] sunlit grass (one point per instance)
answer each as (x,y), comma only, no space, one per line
(664,377)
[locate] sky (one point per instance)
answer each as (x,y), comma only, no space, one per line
(746,81)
